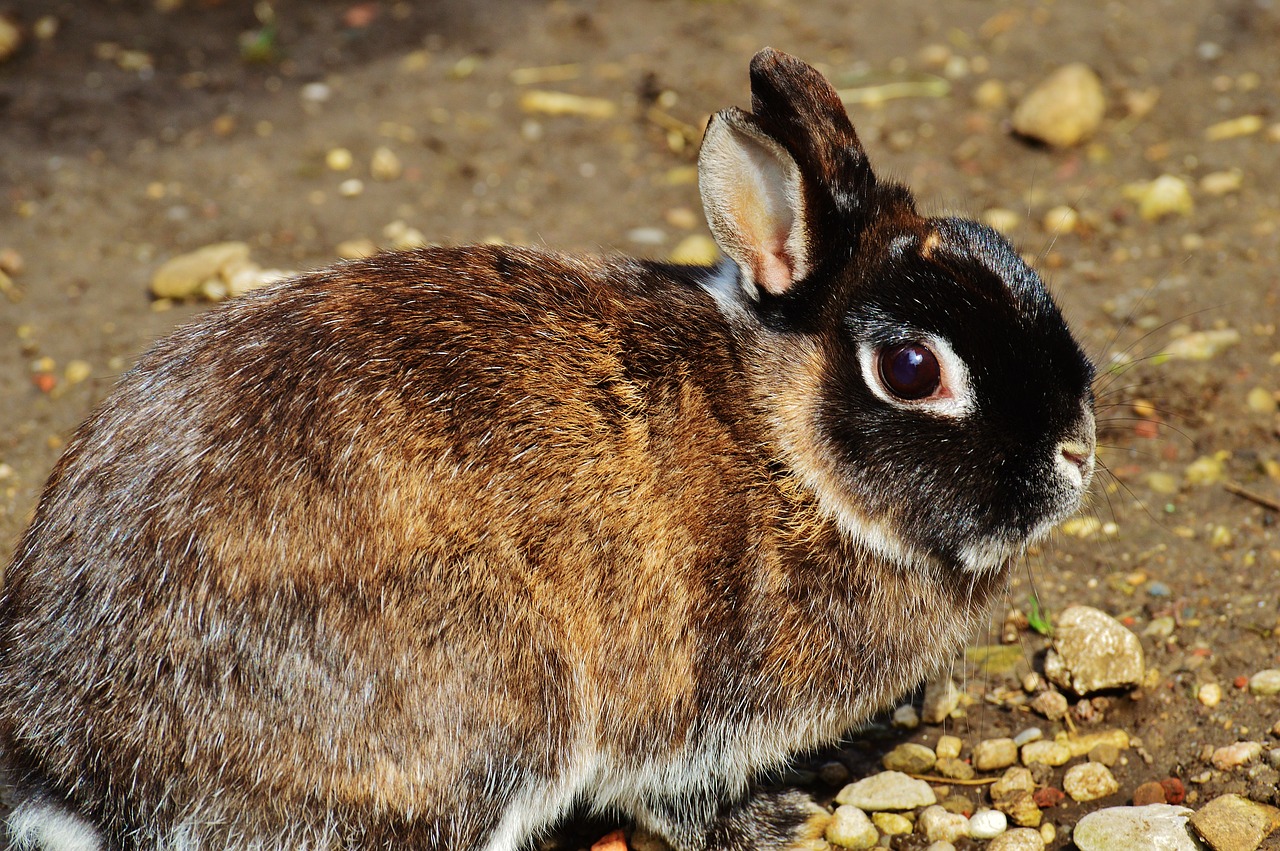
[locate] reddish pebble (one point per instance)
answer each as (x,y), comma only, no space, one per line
(1201,651)
(1048,797)
(1149,793)
(44,381)
(1174,792)
(1240,682)
(1147,428)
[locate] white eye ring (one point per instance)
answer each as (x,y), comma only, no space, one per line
(954,397)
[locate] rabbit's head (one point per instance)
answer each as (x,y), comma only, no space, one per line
(921,381)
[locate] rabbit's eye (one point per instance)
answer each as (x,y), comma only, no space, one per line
(910,371)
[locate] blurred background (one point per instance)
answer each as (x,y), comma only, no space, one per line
(1130,150)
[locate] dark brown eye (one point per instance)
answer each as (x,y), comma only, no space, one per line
(910,371)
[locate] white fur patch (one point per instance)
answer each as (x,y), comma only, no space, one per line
(42,825)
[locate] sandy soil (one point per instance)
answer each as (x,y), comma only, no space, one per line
(132,135)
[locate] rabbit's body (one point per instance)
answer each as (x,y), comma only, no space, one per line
(423,550)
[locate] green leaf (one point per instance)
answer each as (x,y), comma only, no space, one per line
(1037,617)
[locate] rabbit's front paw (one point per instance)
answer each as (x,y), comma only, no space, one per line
(777,821)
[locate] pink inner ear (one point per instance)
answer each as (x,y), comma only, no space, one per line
(775,269)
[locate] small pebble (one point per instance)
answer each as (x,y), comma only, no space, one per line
(647,236)
(338,159)
(1265,682)
(995,754)
(1126,828)
(10,38)
(986,824)
(1174,791)
(699,250)
(539,102)
(939,825)
(833,773)
(353,249)
(1060,220)
(1063,110)
(1031,734)
(316,92)
(1165,196)
(1081,744)
(1018,839)
(1236,755)
(954,769)
(1051,704)
(1089,782)
(888,790)
(1022,809)
(1048,832)
(184,275)
(77,371)
(941,698)
(958,803)
(385,165)
(1048,797)
(948,747)
(1150,792)
(910,758)
(850,828)
(1015,779)
(351,187)
(1222,182)
(1261,401)
(1201,345)
(892,824)
(1209,694)
(1046,753)
(1233,128)
(990,94)
(1105,753)
(1001,219)
(940,846)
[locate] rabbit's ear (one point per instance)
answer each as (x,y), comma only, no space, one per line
(800,109)
(784,187)
(752,194)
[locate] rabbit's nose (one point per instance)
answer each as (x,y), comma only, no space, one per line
(1077,453)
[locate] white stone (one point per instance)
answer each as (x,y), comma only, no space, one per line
(1019,839)
(938,825)
(941,698)
(1161,827)
(1093,651)
(1265,682)
(995,754)
(1046,752)
(1089,782)
(850,828)
(987,824)
(888,790)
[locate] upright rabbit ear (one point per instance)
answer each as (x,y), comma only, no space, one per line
(752,195)
(777,184)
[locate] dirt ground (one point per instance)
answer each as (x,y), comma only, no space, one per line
(134,133)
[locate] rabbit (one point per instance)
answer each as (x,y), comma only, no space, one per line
(429,549)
